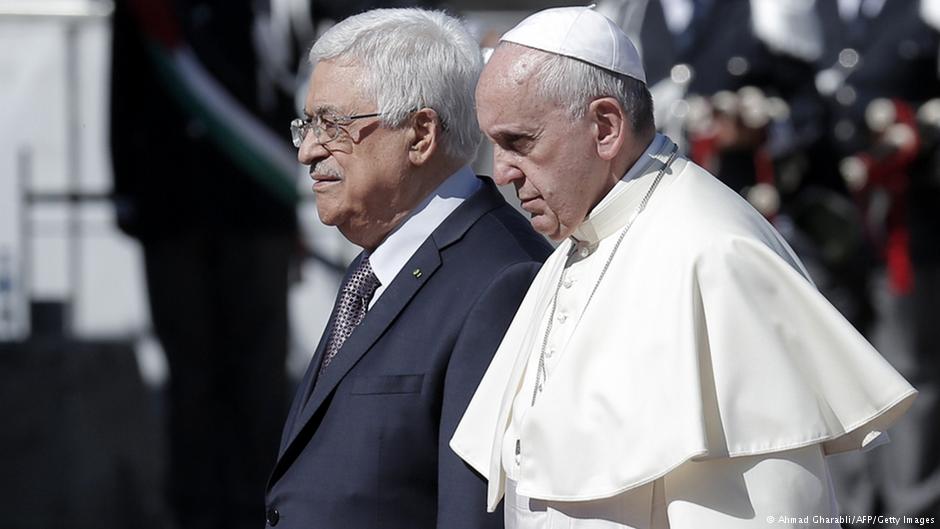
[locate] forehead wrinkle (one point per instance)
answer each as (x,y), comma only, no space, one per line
(344,79)
(515,76)
(512,75)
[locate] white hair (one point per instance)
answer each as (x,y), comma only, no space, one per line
(412,59)
(576,83)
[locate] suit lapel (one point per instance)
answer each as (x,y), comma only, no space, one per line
(313,370)
(396,297)
(306,384)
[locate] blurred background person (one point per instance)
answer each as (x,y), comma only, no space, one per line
(878,77)
(204,179)
(733,82)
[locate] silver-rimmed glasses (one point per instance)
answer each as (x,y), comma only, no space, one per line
(326,127)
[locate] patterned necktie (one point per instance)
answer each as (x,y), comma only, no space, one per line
(353,304)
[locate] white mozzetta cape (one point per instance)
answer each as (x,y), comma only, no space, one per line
(704,340)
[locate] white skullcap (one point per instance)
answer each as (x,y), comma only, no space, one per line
(581,33)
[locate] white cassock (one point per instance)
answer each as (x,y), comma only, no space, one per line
(699,387)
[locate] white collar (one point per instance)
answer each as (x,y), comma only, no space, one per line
(605,218)
(396,249)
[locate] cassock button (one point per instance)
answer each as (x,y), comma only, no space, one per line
(585,252)
(550,353)
(562,318)
(567,283)
(272,517)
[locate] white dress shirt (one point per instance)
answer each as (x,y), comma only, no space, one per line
(396,249)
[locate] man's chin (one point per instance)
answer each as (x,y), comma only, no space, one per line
(326,217)
(547,227)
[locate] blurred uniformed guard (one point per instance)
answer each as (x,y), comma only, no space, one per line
(735,79)
(204,179)
(878,75)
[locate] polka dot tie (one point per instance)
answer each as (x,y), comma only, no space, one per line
(348,313)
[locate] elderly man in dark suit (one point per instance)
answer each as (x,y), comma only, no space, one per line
(388,133)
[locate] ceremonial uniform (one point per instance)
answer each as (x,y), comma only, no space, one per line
(702,47)
(204,180)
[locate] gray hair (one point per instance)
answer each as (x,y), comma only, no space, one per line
(577,83)
(413,58)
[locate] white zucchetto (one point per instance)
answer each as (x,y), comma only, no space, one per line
(580,33)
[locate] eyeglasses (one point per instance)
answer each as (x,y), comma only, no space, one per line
(325,127)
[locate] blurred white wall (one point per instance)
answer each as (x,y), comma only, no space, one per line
(54,59)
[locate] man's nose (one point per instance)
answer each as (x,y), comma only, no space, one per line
(504,170)
(311,151)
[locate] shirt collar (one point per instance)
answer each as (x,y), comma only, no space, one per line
(392,253)
(608,215)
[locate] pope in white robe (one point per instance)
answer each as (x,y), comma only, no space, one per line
(673,366)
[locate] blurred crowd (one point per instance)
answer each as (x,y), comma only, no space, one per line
(825,115)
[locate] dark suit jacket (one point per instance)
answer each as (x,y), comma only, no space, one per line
(369,448)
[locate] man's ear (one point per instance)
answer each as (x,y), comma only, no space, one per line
(425,133)
(610,126)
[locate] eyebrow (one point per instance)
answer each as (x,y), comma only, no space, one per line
(507,133)
(322,109)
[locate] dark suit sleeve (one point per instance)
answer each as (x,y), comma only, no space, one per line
(462,492)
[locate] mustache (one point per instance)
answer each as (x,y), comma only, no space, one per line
(326,169)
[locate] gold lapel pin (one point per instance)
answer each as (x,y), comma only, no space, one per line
(416,273)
